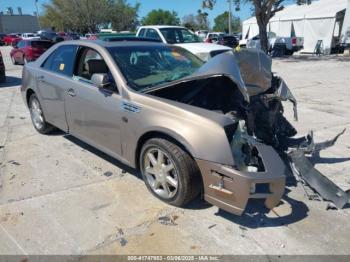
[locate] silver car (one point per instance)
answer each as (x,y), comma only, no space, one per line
(160,109)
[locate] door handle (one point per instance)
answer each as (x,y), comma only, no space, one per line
(71,92)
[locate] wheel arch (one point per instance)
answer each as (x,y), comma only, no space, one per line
(158,134)
(28,95)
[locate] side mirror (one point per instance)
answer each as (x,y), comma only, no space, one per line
(100,80)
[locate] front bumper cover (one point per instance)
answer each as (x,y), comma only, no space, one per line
(230,189)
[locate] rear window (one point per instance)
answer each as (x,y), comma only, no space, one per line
(41,44)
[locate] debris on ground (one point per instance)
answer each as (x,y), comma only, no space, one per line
(167,221)
(108,173)
(211,226)
(120,237)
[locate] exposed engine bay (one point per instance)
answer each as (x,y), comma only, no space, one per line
(257,113)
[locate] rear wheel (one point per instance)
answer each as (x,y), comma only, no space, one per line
(37,116)
(169,172)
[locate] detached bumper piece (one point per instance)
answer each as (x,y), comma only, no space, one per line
(230,189)
(303,169)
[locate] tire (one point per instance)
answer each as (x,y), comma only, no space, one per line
(13,60)
(184,177)
(289,52)
(25,61)
(37,116)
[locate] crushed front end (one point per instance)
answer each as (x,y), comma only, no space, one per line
(258,173)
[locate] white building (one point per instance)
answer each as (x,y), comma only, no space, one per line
(322,20)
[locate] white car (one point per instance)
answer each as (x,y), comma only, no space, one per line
(29,36)
(291,44)
(184,38)
(202,33)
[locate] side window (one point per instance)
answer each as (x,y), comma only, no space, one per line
(61,60)
(90,62)
(21,44)
(142,32)
(151,33)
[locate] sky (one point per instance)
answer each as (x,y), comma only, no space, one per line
(182,7)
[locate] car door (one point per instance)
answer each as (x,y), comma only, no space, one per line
(18,53)
(93,114)
(54,80)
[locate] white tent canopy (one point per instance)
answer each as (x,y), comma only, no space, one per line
(345,35)
(313,22)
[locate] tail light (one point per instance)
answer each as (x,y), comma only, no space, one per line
(208,40)
(294,41)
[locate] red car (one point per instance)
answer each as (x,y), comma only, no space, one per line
(28,50)
(12,39)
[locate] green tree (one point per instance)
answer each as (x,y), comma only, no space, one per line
(202,19)
(221,23)
(190,22)
(123,16)
(89,15)
(263,10)
(161,17)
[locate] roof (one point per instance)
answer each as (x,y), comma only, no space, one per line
(161,26)
(112,44)
(317,9)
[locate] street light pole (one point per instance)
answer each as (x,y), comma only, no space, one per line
(230,16)
(37,13)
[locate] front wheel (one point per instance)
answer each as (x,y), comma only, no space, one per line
(37,116)
(169,172)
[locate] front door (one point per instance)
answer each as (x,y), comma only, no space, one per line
(93,114)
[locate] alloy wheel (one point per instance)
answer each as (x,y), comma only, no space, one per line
(36,114)
(161,173)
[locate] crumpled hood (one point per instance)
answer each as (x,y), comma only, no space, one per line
(224,64)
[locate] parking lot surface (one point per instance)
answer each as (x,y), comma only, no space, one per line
(61,196)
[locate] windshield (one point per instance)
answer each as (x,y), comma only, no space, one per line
(179,35)
(147,66)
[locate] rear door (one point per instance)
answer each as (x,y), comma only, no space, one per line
(93,114)
(54,80)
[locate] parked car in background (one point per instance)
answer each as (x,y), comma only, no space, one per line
(27,36)
(64,35)
(12,39)
(2,70)
(181,36)
(229,41)
(289,44)
(90,36)
(29,50)
(202,33)
(51,36)
(74,36)
(2,39)
(214,37)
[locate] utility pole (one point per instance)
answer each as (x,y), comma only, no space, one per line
(37,13)
(229,16)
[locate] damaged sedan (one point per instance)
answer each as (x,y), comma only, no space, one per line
(215,128)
